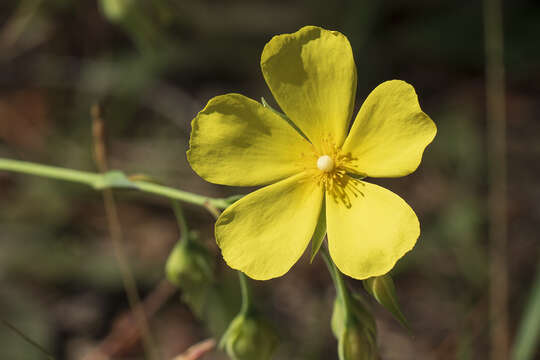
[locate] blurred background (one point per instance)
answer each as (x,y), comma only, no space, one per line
(153,65)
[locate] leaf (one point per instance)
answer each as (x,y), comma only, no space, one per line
(527,340)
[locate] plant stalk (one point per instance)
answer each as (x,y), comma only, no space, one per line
(247,305)
(337,278)
(95,180)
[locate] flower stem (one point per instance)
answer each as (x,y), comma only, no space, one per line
(337,278)
(184,196)
(97,181)
(82,177)
(247,305)
(181,220)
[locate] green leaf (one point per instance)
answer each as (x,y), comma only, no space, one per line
(383,290)
(26,338)
(318,234)
(113,178)
(527,340)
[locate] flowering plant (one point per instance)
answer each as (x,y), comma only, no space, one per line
(314,168)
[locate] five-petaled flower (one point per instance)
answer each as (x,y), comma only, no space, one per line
(314,174)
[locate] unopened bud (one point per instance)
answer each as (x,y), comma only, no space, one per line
(249,337)
(354,327)
(357,343)
(338,318)
(190,264)
(383,290)
(115,10)
(358,313)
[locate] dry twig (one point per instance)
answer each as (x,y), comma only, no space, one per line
(196,351)
(116,235)
(496,121)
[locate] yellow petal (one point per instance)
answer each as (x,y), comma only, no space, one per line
(369,229)
(236,141)
(266,232)
(312,76)
(390,132)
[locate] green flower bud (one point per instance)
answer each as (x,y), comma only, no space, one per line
(358,314)
(249,337)
(189,265)
(115,10)
(383,290)
(355,329)
(357,343)
(338,318)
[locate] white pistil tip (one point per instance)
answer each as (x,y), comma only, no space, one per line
(325,163)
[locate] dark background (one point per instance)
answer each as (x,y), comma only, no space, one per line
(152,68)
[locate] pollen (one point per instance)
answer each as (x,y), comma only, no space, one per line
(325,163)
(332,171)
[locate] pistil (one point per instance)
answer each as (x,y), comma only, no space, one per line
(325,163)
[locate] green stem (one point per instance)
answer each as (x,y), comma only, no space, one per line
(184,196)
(82,177)
(97,180)
(247,305)
(181,220)
(337,278)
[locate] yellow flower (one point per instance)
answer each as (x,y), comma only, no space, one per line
(239,142)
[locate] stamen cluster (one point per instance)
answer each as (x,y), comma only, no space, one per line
(330,167)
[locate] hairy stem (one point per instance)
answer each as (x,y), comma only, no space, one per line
(82,177)
(97,181)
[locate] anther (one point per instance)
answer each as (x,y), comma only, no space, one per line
(325,163)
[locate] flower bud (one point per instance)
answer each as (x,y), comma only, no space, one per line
(357,313)
(383,290)
(357,343)
(354,327)
(189,265)
(115,10)
(338,318)
(249,337)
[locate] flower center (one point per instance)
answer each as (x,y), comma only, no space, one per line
(325,163)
